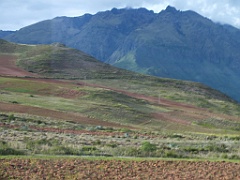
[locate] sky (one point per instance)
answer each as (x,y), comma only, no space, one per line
(16,14)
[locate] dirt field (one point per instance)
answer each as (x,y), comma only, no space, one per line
(9,68)
(30,169)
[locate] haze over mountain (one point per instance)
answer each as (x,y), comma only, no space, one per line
(172,43)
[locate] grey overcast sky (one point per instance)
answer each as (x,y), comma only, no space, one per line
(16,14)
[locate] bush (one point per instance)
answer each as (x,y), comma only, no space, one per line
(148,147)
(11,117)
(62,150)
(10,151)
(234,156)
(217,148)
(133,152)
(6,150)
(112,145)
(89,148)
(172,154)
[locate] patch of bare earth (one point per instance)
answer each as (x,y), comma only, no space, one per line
(116,169)
(8,67)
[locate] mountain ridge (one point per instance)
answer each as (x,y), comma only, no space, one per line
(172,43)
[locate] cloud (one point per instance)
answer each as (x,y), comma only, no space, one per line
(16,14)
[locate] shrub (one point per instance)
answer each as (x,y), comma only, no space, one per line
(6,150)
(148,147)
(171,154)
(89,148)
(11,117)
(217,148)
(234,156)
(112,145)
(62,150)
(10,151)
(97,142)
(133,152)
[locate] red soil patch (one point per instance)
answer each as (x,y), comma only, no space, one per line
(6,107)
(116,169)
(8,67)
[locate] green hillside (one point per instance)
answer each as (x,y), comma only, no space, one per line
(76,105)
(58,61)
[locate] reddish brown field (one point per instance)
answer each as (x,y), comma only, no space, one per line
(31,169)
(9,68)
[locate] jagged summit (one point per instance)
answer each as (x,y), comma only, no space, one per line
(128,10)
(171,9)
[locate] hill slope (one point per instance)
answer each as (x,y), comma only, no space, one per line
(113,114)
(174,44)
(56,60)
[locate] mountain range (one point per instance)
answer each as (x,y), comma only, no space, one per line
(173,44)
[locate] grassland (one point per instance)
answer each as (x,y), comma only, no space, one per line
(111,112)
(44,116)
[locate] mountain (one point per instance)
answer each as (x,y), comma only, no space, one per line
(5,33)
(172,43)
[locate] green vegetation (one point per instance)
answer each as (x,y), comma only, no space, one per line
(31,135)
(113,112)
(6,150)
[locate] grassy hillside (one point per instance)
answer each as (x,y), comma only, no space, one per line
(80,106)
(58,61)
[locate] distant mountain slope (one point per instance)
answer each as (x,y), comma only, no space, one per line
(174,44)
(5,33)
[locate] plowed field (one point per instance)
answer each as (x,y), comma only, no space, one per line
(116,169)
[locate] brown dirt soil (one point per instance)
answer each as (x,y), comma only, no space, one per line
(7,107)
(8,67)
(29,169)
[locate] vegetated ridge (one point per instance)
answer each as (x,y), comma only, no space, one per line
(173,44)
